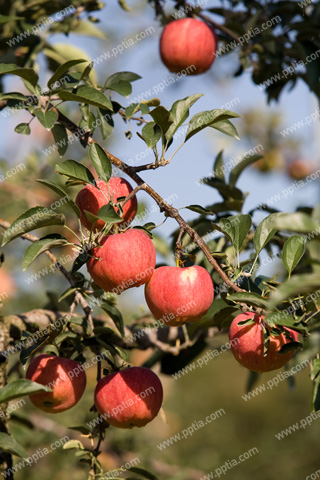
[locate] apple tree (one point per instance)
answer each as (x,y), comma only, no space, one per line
(213,285)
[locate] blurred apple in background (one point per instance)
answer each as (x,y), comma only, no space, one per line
(7,284)
(299,169)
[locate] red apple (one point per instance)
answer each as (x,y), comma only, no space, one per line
(124,260)
(179,295)
(129,398)
(247,344)
(91,199)
(64,376)
(188,42)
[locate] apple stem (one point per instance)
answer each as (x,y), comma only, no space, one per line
(186,334)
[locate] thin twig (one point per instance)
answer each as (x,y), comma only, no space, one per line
(131,195)
(218,26)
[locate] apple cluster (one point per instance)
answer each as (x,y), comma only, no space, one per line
(125,259)
(126,398)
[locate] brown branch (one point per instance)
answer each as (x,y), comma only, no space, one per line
(164,206)
(218,26)
(37,321)
(131,195)
(150,166)
(5,458)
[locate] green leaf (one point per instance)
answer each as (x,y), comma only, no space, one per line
(36,248)
(100,161)
(315,368)
(26,73)
(121,82)
(85,76)
(79,262)
(238,169)
(67,293)
(23,128)
(14,96)
(180,112)
(296,285)
(47,119)
(106,122)
(82,27)
(236,227)
(284,319)
(207,119)
(250,298)
(226,127)
(61,70)
(21,388)
(88,95)
(296,222)
(315,377)
(151,134)
(11,18)
(144,473)
(116,316)
(75,170)
(108,214)
(36,217)
(293,251)
(264,232)
(253,377)
(199,209)
(123,4)
(10,445)
(60,191)
(316,385)
(61,138)
(288,347)
(73,444)
(218,167)
(123,88)
(226,191)
(162,117)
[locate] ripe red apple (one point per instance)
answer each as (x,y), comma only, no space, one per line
(124,260)
(247,344)
(64,376)
(188,42)
(91,199)
(179,295)
(129,398)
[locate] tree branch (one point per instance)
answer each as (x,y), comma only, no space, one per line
(218,26)
(37,321)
